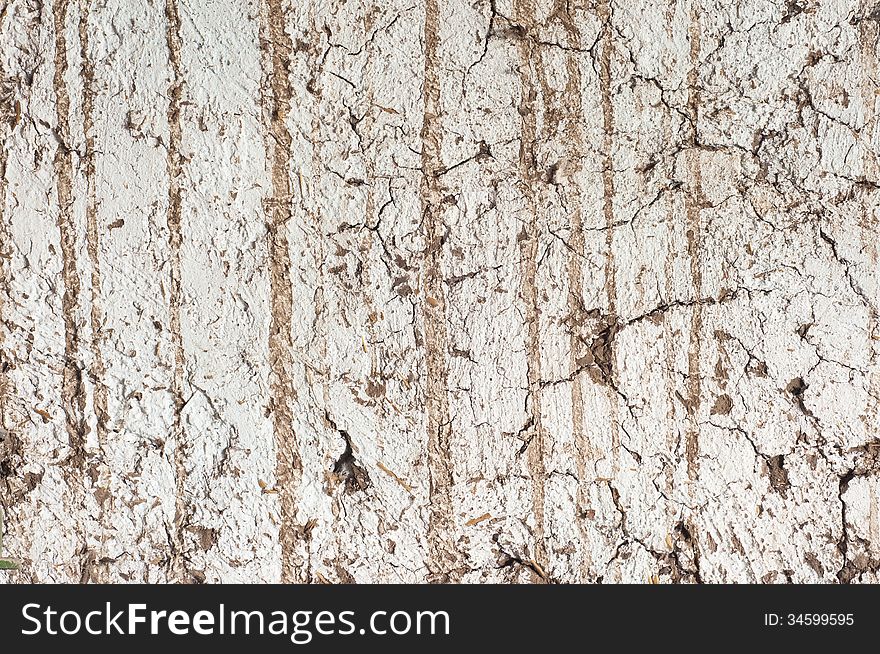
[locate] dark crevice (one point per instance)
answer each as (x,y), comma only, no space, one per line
(346,467)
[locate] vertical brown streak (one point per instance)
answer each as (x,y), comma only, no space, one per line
(92,240)
(73,395)
(175,237)
(673,437)
(524,13)
(278,46)
(5,255)
(99,398)
(607,157)
(693,202)
(443,555)
(575,140)
(604,10)
(869,33)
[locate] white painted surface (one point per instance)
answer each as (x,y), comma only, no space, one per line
(589,290)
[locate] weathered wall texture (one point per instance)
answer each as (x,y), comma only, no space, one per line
(440,290)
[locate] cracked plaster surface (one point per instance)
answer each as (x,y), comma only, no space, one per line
(464,291)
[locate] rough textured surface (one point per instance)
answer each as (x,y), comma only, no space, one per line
(472,290)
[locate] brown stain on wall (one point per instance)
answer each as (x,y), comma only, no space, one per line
(693,204)
(72,391)
(524,13)
(607,50)
(574,138)
(175,238)
(278,46)
(96,319)
(673,436)
(5,241)
(443,554)
(869,37)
